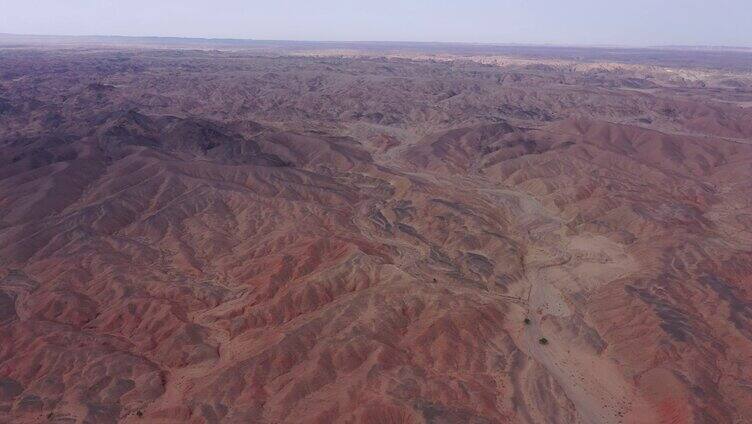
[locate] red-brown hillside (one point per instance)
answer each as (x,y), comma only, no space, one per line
(193,236)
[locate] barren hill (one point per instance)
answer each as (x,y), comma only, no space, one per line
(226,236)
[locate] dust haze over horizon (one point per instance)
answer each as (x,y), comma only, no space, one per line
(583,22)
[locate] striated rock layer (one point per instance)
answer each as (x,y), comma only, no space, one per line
(205,237)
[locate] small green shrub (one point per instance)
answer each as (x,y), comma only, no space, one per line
(543,340)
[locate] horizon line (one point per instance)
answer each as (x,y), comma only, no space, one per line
(468,43)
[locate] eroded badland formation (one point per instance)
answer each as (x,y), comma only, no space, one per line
(344,235)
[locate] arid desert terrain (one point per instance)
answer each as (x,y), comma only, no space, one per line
(374,233)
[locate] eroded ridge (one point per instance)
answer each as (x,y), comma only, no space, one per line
(229,236)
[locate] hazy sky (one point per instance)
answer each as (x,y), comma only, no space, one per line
(626,22)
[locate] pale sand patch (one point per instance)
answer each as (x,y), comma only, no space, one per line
(594,383)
